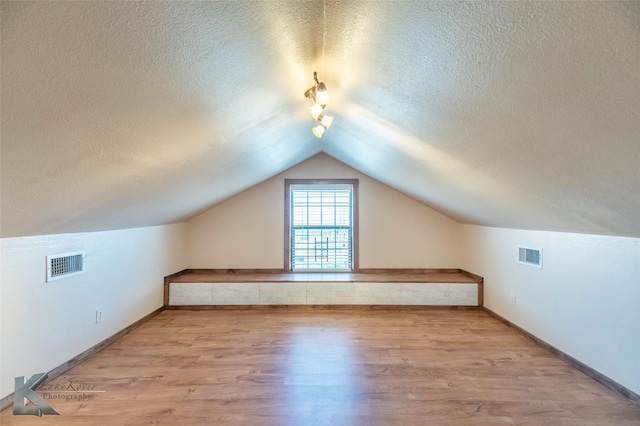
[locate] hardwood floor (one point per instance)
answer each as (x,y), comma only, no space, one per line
(304,366)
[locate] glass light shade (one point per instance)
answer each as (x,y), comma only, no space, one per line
(325,120)
(318,131)
(322,96)
(316,110)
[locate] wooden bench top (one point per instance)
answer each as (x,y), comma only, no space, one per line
(365,275)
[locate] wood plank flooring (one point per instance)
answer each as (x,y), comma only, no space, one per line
(305,366)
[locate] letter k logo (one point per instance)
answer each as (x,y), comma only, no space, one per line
(23,390)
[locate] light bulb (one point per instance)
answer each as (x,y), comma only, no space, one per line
(325,120)
(322,95)
(318,131)
(316,110)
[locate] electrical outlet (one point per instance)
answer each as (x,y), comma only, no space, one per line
(98,316)
(513,299)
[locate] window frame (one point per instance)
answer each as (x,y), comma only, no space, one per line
(355,264)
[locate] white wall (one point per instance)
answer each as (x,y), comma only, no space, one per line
(585,300)
(247,231)
(45,324)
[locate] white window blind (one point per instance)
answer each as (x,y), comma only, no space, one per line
(321,227)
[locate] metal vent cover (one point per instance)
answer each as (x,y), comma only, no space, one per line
(64,265)
(530,256)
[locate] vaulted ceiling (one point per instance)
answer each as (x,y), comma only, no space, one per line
(512,114)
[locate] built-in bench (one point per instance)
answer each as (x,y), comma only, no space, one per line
(200,288)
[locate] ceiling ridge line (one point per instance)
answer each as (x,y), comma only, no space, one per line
(324,27)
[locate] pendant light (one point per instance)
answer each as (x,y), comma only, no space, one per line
(319,94)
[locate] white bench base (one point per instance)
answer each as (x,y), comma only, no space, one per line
(323,293)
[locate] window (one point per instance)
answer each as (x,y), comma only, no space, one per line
(321,226)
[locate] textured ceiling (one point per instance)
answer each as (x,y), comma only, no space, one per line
(509,114)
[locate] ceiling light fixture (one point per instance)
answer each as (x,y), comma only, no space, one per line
(320,97)
(325,120)
(318,131)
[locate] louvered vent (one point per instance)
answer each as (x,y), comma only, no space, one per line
(64,265)
(530,256)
